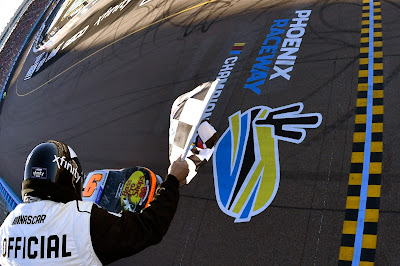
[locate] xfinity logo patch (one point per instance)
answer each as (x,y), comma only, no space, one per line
(61,162)
(40,173)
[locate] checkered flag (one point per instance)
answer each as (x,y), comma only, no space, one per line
(191,136)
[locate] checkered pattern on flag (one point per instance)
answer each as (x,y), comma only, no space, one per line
(189,135)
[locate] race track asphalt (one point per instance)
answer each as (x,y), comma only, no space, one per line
(108,95)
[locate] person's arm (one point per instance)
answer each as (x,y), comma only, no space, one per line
(116,237)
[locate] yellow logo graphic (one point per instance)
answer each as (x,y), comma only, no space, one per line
(134,191)
(246,158)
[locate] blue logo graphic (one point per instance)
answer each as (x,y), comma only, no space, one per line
(246,158)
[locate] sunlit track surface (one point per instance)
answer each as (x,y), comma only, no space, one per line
(108,89)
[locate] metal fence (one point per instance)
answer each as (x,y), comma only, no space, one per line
(11,200)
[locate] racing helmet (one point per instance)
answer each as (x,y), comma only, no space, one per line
(56,162)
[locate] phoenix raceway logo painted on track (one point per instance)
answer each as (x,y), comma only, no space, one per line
(246,159)
(286,59)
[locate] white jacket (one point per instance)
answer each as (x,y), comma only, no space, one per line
(48,233)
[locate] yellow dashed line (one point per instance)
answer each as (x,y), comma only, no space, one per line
(362,102)
(363,87)
(375,168)
(357,157)
(369,241)
(353,202)
(378,54)
(355,179)
(364,61)
(361,119)
(378,66)
(374,191)
(359,137)
(376,146)
(366,263)
(349,227)
(377,110)
(378,94)
(371,215)
(378,79)
(363,73)
(377,127)
(346,253)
